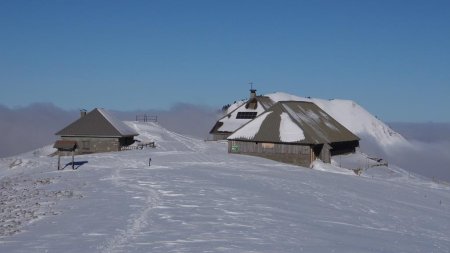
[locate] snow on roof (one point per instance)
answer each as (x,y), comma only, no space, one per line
(251,129)
(282,96)
(234,106)
(231,122)
(118,124)
(289,131)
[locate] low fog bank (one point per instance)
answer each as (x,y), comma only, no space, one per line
(425,132)
(27,128)
(428,153)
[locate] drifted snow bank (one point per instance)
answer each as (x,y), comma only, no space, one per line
(321,166)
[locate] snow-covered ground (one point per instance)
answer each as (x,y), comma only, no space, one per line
(197,198)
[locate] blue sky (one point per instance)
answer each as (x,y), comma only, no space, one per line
(392,57)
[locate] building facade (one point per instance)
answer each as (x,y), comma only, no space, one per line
(295,132)
(98,131)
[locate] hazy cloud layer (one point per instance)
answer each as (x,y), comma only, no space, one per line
(27,128)
(430,152)
(426,132)
(426,156)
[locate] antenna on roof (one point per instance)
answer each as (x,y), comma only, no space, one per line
(251,85)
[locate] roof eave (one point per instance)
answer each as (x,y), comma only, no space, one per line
(98,136)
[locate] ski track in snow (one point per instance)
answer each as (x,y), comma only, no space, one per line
(197,198)
(139,220)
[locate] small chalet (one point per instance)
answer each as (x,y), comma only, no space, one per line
(244,113)
(295,132)
(97,131)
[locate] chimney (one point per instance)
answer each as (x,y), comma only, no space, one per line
(252,93)
(82,113)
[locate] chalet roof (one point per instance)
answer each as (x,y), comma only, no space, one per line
(266,102)
(294,122)
(98,123)
(229,122)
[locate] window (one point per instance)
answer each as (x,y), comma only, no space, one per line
(268,145)
(246,115)
(86,145)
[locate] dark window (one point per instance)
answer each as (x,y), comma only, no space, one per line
(246,115)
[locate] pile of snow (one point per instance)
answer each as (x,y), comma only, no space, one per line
(331,168)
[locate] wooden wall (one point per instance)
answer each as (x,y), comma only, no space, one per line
(288,153)
(88,145)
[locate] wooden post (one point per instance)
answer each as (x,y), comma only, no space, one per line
(59,160)
(73,166)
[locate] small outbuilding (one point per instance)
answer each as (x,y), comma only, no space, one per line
(98,131)
(295,132)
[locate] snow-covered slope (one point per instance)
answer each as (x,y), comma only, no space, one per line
(351,115)
(197,198)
